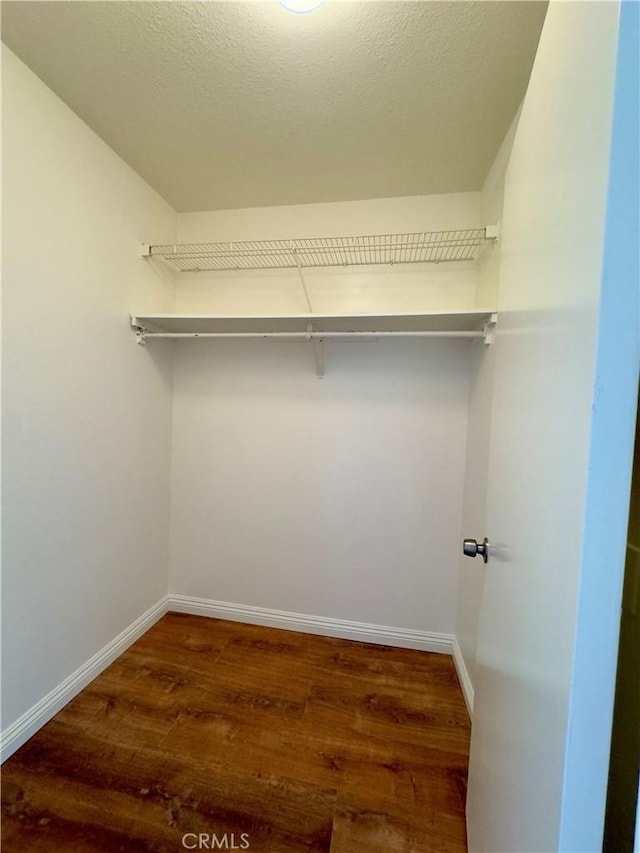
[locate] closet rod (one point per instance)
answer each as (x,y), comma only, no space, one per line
(308,336)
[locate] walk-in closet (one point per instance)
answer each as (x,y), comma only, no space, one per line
(320,371)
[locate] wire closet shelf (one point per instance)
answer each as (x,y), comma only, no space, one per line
(414,248)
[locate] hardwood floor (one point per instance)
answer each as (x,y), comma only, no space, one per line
(272,741)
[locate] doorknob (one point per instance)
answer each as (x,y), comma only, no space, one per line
(471,548)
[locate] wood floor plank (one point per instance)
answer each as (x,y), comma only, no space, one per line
(148,787)
(413,717)
(303,743)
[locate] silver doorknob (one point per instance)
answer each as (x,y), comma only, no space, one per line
(471,548)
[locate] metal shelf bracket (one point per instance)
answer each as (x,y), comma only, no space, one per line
(302,281)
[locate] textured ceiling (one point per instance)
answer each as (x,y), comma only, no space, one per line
(243,104)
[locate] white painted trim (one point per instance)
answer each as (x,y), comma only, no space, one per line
(363,632)
(28,724)
(463,676)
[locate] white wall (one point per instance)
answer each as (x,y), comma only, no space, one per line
(339,497)
(87,413)
(471,572)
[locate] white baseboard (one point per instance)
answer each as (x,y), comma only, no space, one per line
(28,724)
(345,629)
(463,676)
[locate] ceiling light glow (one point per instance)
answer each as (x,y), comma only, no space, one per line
(301,7)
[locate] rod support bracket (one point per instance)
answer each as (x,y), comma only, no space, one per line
(141,335)
(318,349)
(489,329)
(145,251)
(140,331)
